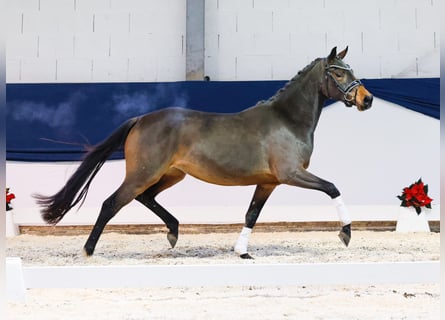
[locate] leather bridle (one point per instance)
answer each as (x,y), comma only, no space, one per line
(344,88)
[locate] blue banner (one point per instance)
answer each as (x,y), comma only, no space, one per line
(54,122)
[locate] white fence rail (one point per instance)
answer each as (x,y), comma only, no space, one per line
(124,276)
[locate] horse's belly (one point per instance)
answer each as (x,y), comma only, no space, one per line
(227,176)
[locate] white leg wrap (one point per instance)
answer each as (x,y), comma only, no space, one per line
(243,240)
(343,213)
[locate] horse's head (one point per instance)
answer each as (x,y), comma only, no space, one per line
(342,85)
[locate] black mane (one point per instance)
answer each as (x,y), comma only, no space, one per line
(300,73)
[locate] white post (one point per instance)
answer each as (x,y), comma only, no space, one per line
(15,282)
(12,229)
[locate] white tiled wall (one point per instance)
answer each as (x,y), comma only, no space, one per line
(275,39)
(95,40)
(144,40)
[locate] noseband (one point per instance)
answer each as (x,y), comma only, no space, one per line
(344,88)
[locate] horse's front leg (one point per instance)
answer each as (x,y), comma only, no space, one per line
(303,178)
(262,193)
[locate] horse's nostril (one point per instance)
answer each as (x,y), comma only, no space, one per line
(368,100)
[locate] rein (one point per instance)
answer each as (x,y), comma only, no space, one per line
(345,89)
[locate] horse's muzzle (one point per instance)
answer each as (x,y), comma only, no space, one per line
(363,99)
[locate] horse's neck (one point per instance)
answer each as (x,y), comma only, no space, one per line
(301,103)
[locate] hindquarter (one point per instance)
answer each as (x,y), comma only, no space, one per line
(152,144)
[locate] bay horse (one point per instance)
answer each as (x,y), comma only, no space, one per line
(265,145)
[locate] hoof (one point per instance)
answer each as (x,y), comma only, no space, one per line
(172,238)
(87,252)
(345,234)
(246,256)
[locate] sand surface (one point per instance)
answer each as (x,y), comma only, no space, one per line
(389,301)
(273,247)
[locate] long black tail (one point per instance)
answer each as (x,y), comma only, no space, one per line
(55,207)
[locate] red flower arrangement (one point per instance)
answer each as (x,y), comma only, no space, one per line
(416,195)
(9,197)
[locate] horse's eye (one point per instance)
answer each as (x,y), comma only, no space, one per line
(339,74)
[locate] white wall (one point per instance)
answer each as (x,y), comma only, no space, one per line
(370,156)
(261,39)
(144,40)
(95,40)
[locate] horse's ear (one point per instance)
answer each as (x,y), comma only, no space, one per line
(343,53)
(332,55)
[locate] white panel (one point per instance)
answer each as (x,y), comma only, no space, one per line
(56,6)
(135,5)
(365,65)
(400,18)
(416,42)
(112,23)
(253,68)
(234,5)
(13,20)
(404,67)
(271,43)
(276,5)
(122,45)
(221,67)
(235,44)
(92,46)
(13,71)
(40,23)
(295,21)
(21,46)
(315,5)
(427,18)
(251,22)
(335,38)
(173,45)
(309,44)
(144,22)
(171,69)
(133,46)
(109,69)
(359,15)
(54,22)
(38,70)
(429,64)
(157,22)
(220,22)
(56,46)
(22,5)
(142,69)
(75,23)
(379,43)
(175,8)
(285,67)
(95,6)
(211,44)
(355,41)
(74,70)
(15,282)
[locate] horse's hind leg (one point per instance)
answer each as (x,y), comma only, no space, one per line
(262,193)
(122,196)
(172,177)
